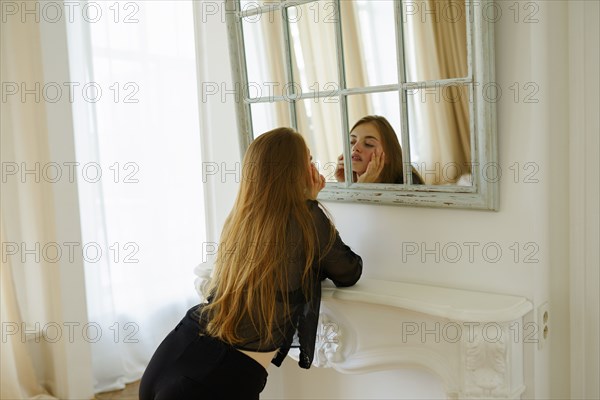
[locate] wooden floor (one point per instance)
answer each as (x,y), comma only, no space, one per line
(129,393)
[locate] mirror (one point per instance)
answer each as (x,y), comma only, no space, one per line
(321,66)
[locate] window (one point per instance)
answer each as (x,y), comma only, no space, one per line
(142,203)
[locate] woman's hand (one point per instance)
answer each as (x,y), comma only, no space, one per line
(339,171)
(317,182)
(374,168)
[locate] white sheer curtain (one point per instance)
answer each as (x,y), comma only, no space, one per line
(146,214)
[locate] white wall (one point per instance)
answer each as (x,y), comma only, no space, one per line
(532,53)
(584,166)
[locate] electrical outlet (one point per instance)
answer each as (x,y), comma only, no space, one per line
(543,325)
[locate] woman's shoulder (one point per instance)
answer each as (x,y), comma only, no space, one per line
(315,208)
(319,214)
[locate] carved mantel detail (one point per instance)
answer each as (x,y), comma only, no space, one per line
(473,341)
(485,362)
(328,343)
(468,339)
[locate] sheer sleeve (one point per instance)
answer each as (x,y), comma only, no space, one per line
(340,263)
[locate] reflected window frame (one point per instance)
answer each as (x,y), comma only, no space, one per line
(485,174)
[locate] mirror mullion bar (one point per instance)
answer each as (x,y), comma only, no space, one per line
(289,74)
(339,42)
(269,99)
(252,11)
(469,32)
(372,89)
(406,169)
(332,94)
(238,62)
(473,137)
(469,12)
(436,83)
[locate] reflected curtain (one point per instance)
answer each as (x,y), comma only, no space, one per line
(442,126)
(274,64)
(354,57)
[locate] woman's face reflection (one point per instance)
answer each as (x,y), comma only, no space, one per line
(365,141)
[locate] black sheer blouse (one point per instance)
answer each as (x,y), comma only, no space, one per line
(340,264)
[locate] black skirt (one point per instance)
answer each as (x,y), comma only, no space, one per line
(188,365)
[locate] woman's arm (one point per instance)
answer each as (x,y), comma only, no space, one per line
(340,263)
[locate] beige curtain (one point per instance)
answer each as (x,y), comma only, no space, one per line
(440,53)
(23,214)
(17,376)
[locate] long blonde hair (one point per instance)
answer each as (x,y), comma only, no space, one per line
(255,241)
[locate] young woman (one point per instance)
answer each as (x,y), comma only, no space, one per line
(376,153)
(277,245)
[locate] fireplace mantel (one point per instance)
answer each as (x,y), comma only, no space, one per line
(473,341)
(455,304)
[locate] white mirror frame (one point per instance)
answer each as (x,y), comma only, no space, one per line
(482,194)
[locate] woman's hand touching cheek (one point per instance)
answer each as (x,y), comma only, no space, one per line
(374,168)
(317,182)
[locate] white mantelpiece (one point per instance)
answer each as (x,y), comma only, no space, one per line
(473,341)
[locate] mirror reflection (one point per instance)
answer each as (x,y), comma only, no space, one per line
(435,39)
(378,87)
(265,55)
(440,134)
(369,43)
(320,122)
(313,53)
(376,154)
(268,116)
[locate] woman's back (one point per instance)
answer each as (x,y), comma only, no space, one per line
(276,247)
(334,260)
